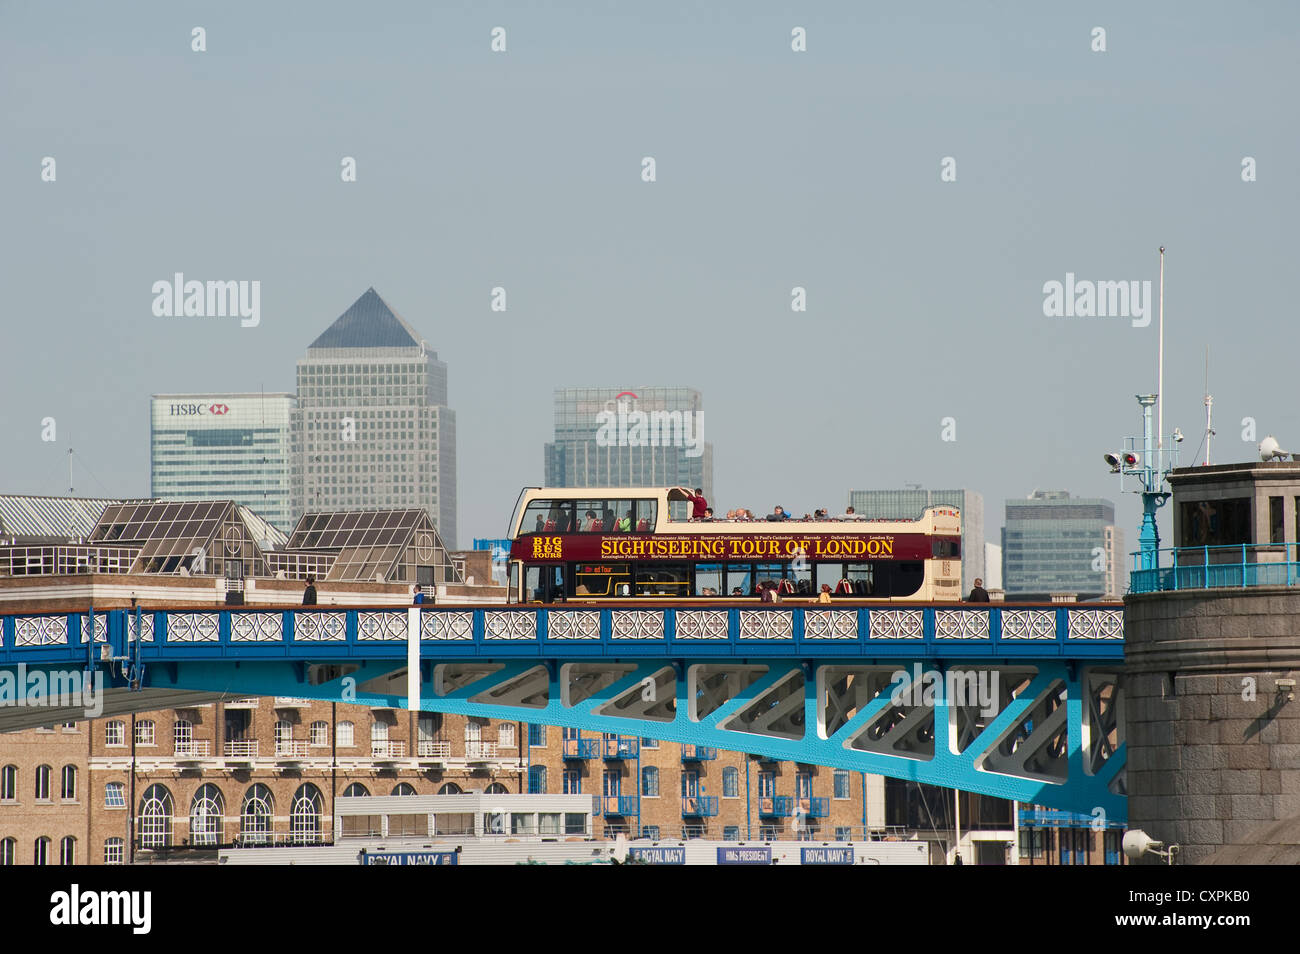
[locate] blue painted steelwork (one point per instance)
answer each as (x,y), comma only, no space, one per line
(818,807)
(699,806)
(698,753)
(619,748)
(1198,568)
(1057,818)
(624,805)
(777,806)
(581,748)
(645,671)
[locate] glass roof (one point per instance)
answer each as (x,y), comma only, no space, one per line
(355,528)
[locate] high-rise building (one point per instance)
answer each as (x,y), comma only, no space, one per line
(650,437)
(372,429)
(1055,543)
(992,566)
(223,446)
(909,504)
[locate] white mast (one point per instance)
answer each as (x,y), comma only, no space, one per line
(1209,404)
(1160,370)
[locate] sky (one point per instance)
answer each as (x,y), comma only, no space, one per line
(822,169)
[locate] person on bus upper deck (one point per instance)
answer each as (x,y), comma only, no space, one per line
(607,523)
(698,503)
(625,525)
(708,513)
(848,514)
(309,592)
(591,522)
(419,595)
(978,594)
(541,524)
(825,595)
(767,592)
(778,514)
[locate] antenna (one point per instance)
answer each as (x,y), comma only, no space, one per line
(1209,404)
(1160,362)
(71,492)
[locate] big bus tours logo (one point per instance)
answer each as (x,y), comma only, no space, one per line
(622,424)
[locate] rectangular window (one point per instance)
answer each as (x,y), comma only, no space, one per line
(575,823)
(536,734)
(649,743)
(766,784)
(730,782)
(115,795)
(731,833)
(548,823)
(841,784)
(537,780)
(115,733)
(113,851)
(572,782)
(843,833)
(650,782)
(1276,525)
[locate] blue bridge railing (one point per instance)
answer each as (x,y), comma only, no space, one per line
(1200,568)
(1059,818)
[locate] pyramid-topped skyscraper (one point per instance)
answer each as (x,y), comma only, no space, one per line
(372,428)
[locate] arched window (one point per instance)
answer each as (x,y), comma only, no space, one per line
(450,788)
(7,849)
(404,789)
(537,780)
(304,818)
(68,851)
(345,736)
(496,788)
(68,786)
(206,816)
(115,732)
(113,851)
(144,732)
(650,782)
(506,735)
(356,790)
(256,819)
(731,782)
(41,856)
(8,783)
(156,817)
(43,773)
(320,733)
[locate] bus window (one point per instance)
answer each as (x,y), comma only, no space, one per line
(535,516)
(908,578)
(773,572)
(590,516)
(512,592)
(828,574)
(533,585)
(801,571)
(740,579)
(601,579)
(862,577)
(624,517)
(708,579)
(646,514)
(670,579)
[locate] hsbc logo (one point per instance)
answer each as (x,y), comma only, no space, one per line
(187,410)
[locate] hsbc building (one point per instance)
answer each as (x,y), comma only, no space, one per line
(223,446)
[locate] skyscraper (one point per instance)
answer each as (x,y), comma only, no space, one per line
(223,447)
(911,503)
(1055,543)
(609,437)
(372,428)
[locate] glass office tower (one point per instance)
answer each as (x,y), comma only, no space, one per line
(372,429)
(1055,543)
(223,447)
(645,437)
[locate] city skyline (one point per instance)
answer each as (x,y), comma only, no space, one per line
(686,279)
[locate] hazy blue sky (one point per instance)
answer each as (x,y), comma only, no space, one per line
(775,169)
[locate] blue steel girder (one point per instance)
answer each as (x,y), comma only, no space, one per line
(1015,702)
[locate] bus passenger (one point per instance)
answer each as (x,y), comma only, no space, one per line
(607,521)
(625,525)
(541,524)
(708,513)
(825,595)
(591,524)
(698,503)
(778,514)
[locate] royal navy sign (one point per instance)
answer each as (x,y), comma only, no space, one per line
(826,856)
(659,856)
(409,858)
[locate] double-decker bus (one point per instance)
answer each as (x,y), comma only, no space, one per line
(615,544)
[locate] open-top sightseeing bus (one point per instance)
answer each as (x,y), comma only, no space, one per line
(615,544)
